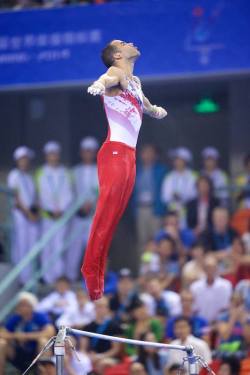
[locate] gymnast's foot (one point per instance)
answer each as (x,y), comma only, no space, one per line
(94,286)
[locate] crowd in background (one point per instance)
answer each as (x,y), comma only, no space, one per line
(22,4)
(193,284)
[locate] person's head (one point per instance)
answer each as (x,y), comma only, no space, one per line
(247,163)
(204,186)
(81,297)
(102,310)
(62,284)
(173,370)
(197,252)
(22,156)
(88,149)
(220,219)
(137,368)
(236,299)
(148,154)
(187,301)
(182,328)
(116,51)
(211,267)
(26,304)
(125,283)
(150,337)
(52,152)
(166,247)
(238,246)
(139,311)
(210,156)
(154,287)
(46,366)
(181,158)
(229,366)
(171,220)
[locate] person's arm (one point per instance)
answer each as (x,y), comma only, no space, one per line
(113,77)
(153,110)
(46,332)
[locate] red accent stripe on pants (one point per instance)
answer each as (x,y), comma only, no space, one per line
(116,173)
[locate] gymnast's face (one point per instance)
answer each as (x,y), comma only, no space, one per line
(126,50)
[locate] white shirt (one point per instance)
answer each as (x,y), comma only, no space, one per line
(201,348)
(209,300)
(85,182)
(220,183)
(179,183)
(57,303)
(82,367)
(54,188)
(77,315)
(24,186)
(172,300)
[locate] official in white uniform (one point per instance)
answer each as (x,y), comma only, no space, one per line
(210,156)
(85,185)
(25,210)
(55,196)
(179,186)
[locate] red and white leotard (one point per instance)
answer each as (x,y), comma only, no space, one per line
(124,114)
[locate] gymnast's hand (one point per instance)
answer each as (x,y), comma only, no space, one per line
(158,112)
(97,88)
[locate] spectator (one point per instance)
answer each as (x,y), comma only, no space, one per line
(55,196)
(79,314)
(47,366)
(229,366)
(103,323)
(160,301)
(243,183)
(126,296)
(174,370)
(78,362)
(137,368)
(220,236)
(25,210)
(182,330)
(150,357)
(198,324)
(149,208)
(60,300)
(194,269)
(213,289)
(243,289)
(245,343)
(179,185)
(85,186)
(142,323)
(24,334)
(219,178)
(199,209)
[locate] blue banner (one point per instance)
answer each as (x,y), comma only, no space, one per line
(51,46)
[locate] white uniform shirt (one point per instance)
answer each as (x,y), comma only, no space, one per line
(179,183)
(54,188)
(77,316)
(85,181)
(172,300)
(210,300)
(57,303)
(24,186)
(201,348)
(220,183)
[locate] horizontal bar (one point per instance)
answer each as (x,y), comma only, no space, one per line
(126,341)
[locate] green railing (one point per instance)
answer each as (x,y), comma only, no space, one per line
(34,253)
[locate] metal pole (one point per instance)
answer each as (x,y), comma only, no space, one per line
(59,350)
(193,366)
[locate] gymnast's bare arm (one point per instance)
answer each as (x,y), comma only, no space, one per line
(112,82)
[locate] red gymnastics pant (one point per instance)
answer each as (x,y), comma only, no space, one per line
(116,173)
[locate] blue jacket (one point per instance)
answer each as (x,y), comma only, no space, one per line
(159,172)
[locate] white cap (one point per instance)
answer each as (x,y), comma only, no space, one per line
(89,143)
(23,151)
(210,152)
(52,146)
(183,153)
(29,297)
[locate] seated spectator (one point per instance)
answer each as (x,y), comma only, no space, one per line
(137,368)
(142,323)
(219,178)
(214,290)
(24,334)
(159,301)
(47,366)
(182,235)
(243,183)
(245,342)
(229,366)
(79,314)
(194,269)
(78,362)
(150,357)
(149,259)
(103,324)
(182,330)
(125,296)
(199,210)
(220,237)
(60,300)
(198,324)
(227,342)
(179,185)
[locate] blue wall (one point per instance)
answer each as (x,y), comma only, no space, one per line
(176,38)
